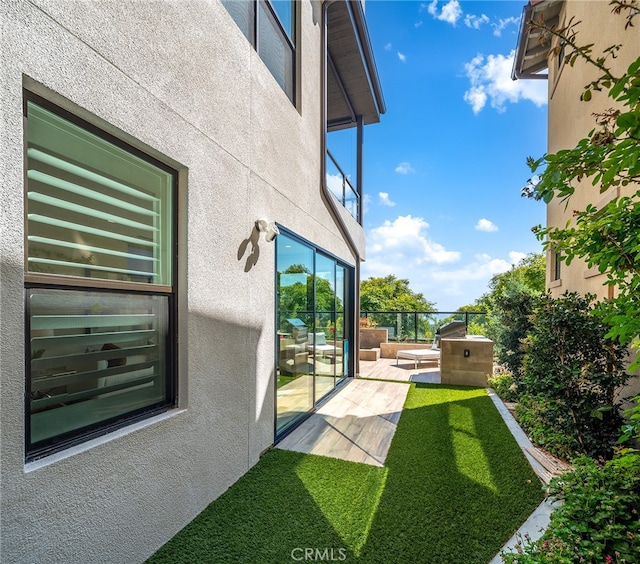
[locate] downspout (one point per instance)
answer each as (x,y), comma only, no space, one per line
(324,189)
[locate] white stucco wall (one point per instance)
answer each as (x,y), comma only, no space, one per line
(179,80)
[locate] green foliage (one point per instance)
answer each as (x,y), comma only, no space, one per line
(510,317)
(389,293)
(571,364)
(295,299)
(547,423)
(505,385)
(631,428)
(607,237)
(528,273)
(599,520)
(509,304)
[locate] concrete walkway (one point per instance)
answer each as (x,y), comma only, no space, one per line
(538,521)
(357,424)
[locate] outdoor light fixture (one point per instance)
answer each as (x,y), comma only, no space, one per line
(269,228)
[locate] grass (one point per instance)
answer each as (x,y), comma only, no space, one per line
(454,488)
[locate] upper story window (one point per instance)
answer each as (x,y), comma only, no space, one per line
(270,27)
(99,281)
(556,266)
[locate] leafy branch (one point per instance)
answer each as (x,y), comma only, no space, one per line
(607,238)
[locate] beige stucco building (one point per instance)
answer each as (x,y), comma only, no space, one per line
(179,260)
(571,119)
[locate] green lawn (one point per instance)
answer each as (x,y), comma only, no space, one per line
(454,488)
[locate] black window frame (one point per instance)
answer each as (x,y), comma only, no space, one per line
(49,281)
(252,34)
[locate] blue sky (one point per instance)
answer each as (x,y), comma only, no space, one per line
(444,167)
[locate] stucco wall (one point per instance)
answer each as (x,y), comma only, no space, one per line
(179,80)
(571,120)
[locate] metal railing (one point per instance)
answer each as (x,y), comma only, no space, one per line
(421,326)
(340,186)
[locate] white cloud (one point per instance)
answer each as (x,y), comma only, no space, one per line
(404,168)
(449,13)
(384,199)
(387,47)
(334,183)
(405,241)
(491,81)
(475,22)
(404,248)
(516,256)
(366,202)
(486,225)
(503,24)
(402,57)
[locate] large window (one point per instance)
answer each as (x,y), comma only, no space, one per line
(270,26)
(314,327)
(99,281)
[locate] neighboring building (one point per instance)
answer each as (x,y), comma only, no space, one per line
(571,119)
(158,334)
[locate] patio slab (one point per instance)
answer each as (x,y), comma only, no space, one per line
(357,424)
(387,369)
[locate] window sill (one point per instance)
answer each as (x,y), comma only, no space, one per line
(555,283)
(93,443)
(592,272)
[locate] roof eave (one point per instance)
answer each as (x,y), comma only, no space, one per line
(351,53)
(531,55)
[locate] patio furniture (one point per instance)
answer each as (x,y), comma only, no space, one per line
(318,346)
(418,355)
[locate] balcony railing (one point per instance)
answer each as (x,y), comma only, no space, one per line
(339,184)
(421,326)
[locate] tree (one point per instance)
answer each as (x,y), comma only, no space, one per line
(510,302)
(389,293)
(296,298)
(608,237)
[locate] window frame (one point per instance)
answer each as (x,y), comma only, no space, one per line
(49,281)
(253,37)
(349,327)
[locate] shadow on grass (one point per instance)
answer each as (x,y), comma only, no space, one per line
(454,488)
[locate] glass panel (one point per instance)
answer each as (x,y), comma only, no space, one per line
(243,14)
(94,357)
(94,210)
(284,11)
(295,323)
(342,334)
(324,342)
(274,49)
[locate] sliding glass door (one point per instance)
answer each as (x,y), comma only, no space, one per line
(314,324)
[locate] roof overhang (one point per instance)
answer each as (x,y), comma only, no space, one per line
(353,85)
(533,44)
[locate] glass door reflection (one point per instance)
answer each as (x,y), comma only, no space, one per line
(294,291)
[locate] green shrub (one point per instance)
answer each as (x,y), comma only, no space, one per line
(599,520)
(572,370)
(545,422)
(510,323)
(505,385)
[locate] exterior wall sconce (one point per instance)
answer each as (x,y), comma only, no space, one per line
(269,229)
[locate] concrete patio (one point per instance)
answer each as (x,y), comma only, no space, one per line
(401,370)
